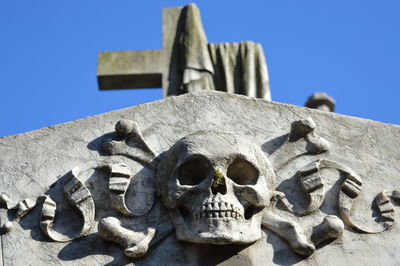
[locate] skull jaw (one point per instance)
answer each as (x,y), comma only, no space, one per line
(217,231)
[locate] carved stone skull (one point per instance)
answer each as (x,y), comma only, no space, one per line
(215,186)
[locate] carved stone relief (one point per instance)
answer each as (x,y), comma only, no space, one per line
(218,188)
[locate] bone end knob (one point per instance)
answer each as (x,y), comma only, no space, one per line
(6,227)
(4,201)
(330,228)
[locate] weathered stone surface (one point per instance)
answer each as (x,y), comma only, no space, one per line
(130,69)
(341,162)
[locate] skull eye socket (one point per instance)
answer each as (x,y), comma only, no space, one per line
(194,171)
(242,172)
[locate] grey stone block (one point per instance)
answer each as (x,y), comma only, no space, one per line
(335,169)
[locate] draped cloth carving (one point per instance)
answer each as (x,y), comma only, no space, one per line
(238,68)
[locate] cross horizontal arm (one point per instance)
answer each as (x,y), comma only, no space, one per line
(130,69)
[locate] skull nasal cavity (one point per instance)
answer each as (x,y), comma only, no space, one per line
(218,185)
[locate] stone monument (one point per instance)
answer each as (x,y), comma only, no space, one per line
(187,62)
(204,178)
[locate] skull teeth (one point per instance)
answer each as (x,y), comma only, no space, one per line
(218,214)
(216,206)
(224,206)
(218,210)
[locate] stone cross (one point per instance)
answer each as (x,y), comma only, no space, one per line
(139,69)
(186,65)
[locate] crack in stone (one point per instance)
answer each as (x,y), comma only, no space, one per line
(1,250)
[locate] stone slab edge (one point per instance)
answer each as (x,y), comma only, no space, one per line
(1,251)
(205,93)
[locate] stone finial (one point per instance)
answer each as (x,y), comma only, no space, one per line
(321,101)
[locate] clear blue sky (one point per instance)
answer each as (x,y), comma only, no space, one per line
(48,53)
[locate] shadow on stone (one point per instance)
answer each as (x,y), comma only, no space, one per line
(92,245)
(283,254)
(208,255)
(330,204)
(294,193)
(96,144)
(272,145)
